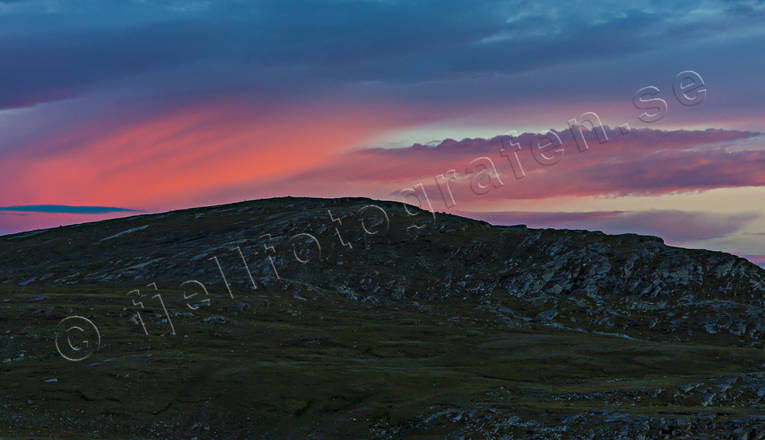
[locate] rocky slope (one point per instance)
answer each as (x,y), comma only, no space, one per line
(378,251)
(354,318)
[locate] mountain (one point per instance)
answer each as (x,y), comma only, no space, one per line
(354,318)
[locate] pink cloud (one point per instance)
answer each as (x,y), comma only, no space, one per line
(172,158)
(220,152)
(644,162)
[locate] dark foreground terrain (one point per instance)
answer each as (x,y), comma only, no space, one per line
(382,325)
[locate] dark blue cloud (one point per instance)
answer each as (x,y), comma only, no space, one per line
(65,209)
(63,49)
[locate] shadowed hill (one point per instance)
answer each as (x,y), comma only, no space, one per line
(351,318)
(383,251)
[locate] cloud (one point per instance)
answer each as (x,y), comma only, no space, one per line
(644,162)
(65,209)
(274,46)
(169,158)
(77,60)
(13,222)
(218,152)
(28,217)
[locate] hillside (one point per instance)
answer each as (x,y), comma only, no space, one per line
(353,318)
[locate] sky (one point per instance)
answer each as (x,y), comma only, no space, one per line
(112,108)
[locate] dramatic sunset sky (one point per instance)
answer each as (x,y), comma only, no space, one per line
(112,108)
